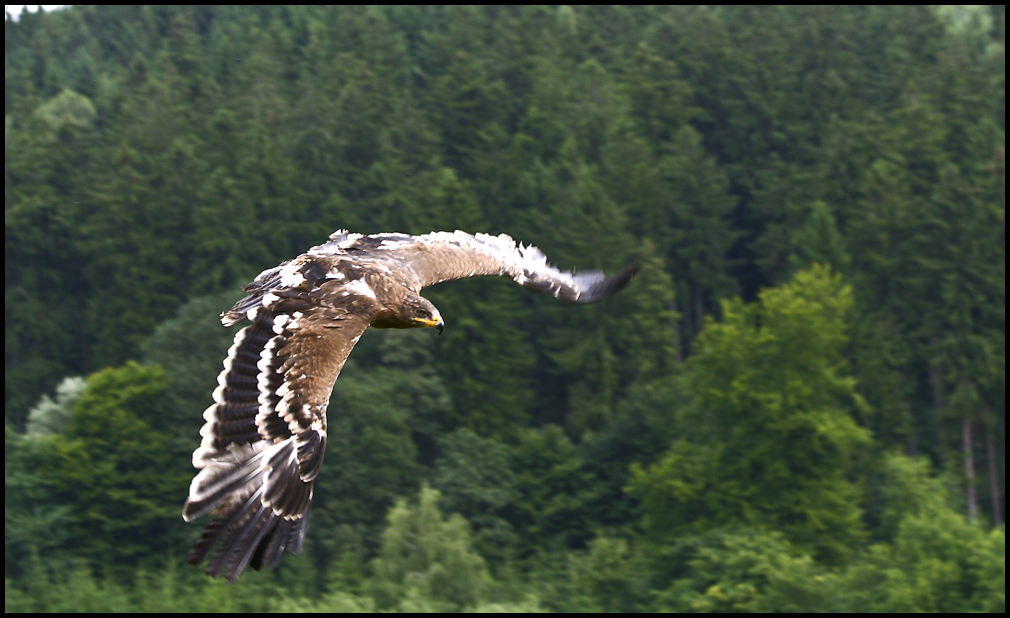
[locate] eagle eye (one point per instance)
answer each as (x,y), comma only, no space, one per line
(421,312)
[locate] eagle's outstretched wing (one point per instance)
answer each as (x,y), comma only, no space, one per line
(264,436)
(444,256)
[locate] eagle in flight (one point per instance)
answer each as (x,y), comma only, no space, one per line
(264,436)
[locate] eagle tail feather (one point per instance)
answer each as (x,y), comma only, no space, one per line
(258,504)
(263,525)
(296,535)
(287,535)
(218,480)
(211,535)
(245,522)
(221,529)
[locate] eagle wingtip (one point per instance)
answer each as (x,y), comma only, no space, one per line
(606,287)
(630,270)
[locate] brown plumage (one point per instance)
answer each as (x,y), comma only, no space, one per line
(265,434)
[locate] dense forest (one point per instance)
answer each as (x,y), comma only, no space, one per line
(797,405)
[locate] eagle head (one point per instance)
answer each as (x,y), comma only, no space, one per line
(416,312)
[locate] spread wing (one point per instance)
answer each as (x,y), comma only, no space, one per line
(444,256)
(265,434)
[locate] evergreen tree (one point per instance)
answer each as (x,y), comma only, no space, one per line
(475,480)
(47,151)
(427,561)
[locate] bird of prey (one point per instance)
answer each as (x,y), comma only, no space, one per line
(264,436)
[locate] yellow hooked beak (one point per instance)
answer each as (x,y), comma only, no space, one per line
(434,321)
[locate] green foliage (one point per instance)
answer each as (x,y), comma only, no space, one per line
(486,355)
(114,468)
(190,348)
(744,570)
(668,449)
(335,602)
(555,492)
(44,283)
(936,561)
(34,524)
(427,562)
(67,108)
(475,480)
(768,438)
(611,576)
(50,416)
(818,241)
(169,587)
(76,591)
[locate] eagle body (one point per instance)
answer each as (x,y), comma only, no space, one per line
(264,436)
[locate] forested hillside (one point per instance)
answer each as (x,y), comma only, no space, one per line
(797,405)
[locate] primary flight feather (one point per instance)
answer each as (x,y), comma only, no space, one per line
(264,436)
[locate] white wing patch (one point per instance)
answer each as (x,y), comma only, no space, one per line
(338,240)
(360,288)
(290,275)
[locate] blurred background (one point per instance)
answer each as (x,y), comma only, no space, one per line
(798,405)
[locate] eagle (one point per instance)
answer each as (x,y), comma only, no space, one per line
(264,436)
